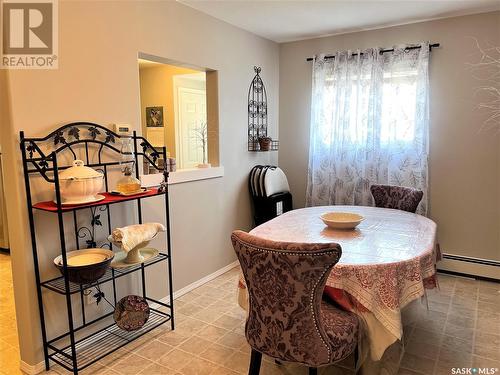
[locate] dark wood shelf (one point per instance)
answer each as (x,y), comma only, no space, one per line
(51,206)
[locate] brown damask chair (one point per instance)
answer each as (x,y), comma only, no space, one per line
(287,319)
(398,197)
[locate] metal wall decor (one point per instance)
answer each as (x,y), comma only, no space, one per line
(258,140)
(89,339)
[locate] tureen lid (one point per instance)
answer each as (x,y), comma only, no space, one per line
(79,170)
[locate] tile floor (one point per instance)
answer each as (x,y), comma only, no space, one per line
(461,329)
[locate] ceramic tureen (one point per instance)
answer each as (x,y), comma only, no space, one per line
(80,184)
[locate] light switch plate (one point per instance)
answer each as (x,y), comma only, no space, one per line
(122,129)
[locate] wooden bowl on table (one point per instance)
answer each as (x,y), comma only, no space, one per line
(341,220)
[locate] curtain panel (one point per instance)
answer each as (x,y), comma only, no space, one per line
(369,124)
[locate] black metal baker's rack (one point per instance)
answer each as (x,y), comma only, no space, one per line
(40,158)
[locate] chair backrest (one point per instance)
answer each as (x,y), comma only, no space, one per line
(285,283)
(398,197)
(275,181)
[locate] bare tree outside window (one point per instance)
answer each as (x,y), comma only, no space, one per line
(200,134)
(486,69)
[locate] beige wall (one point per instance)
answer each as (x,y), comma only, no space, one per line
(464,162)
(23,279)
(98,81)
(157,89)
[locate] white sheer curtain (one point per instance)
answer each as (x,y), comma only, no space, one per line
(369,124)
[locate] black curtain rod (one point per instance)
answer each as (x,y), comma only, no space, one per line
(431,46)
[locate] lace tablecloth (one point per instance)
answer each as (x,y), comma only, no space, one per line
(387,261)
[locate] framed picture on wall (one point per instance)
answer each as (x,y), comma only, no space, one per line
(154,117)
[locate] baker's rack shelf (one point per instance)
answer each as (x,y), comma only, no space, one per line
(51,206)
(57,284)
(105,341)
(76,348)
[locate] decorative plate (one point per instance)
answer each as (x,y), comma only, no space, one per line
(120,257)
(97,198)
(131,313)
(341,220)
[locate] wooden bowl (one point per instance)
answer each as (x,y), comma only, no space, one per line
(341,220)
(85,266)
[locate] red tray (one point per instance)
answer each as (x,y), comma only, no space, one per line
(50,206)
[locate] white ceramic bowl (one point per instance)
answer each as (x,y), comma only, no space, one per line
(80,183)
(341,220)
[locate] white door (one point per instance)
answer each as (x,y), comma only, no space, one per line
(192,105)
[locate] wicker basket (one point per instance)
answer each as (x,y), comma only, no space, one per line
(265,143)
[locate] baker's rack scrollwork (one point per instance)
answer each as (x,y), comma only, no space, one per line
(81,133)
(88,232)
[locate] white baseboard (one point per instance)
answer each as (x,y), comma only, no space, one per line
(40,367)
(200,282)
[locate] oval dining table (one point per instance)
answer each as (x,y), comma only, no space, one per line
(387,261)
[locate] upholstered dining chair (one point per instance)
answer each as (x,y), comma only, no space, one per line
(398,197)
(287,319)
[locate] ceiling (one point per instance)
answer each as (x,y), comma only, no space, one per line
(285,21)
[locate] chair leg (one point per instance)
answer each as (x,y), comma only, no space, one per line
(255,360)
(313,371)
(356,357)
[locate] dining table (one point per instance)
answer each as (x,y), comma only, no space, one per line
(387,261)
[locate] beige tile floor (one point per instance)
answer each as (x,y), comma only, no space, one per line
(461,329)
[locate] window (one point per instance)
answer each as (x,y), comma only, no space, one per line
(396,104)
(369,125)
(399,98)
